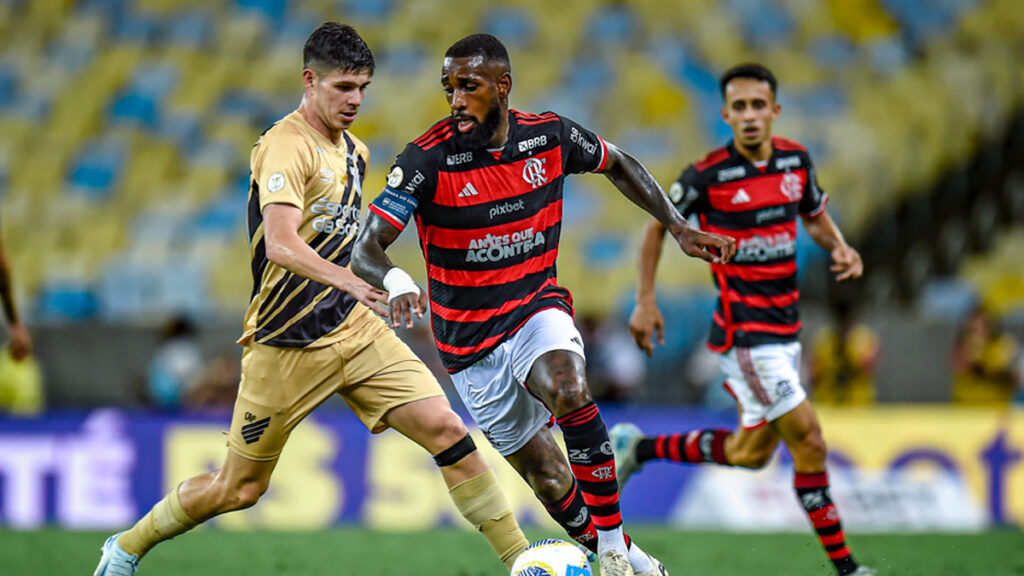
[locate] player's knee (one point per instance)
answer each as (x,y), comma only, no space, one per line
(755,459)
(550,479)
(447,428)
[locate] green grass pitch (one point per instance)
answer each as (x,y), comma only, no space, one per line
(452,552)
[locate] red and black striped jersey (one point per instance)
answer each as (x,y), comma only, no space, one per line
(489,223)
(758,206)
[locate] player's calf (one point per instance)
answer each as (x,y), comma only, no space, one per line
(482,503)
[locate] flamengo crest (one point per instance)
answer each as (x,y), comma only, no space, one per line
(534,173)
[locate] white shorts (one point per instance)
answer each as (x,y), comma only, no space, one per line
(494,389)
(764,380)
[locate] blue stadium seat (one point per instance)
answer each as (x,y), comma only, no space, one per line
(368,10)
(65,302)
(97,166)
(514,25)
(135,108)
(8,87)
(274,10)
(190,29)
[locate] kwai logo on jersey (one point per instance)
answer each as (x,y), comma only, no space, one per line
(582,141)
(764,248)
(493,248)
(534,173)
(334,217)
(792,186)
(787,162)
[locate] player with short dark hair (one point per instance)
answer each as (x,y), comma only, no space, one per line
(485,188)
(751,190)
(311,332)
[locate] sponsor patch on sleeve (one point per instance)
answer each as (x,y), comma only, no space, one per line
(395,207)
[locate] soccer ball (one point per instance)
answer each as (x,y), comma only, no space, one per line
(551,558)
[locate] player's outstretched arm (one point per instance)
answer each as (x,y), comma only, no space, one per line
(21,341)
(286,249)
(846,261)
(646,319)
(370,262)
(637,184)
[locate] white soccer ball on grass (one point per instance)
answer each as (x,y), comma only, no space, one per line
(551,557)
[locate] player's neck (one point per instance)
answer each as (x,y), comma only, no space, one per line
(317,124)
(501,134)
(760,154)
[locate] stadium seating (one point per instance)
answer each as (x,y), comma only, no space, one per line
(127,124)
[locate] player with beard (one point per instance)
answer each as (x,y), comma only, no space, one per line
(485,187)
(752,190)
(311,330)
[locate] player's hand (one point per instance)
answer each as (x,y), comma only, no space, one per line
(846,263)
(713,248)
(21,342)
(373,298)
(644,323)
(405,306)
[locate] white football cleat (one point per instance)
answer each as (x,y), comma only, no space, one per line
(115,561)
(614,563)
(863,571)
(657,570)
(625,437)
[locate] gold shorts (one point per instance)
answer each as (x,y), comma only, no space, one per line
(374,373)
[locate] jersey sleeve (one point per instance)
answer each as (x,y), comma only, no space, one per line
(410,180)
(582,150)
(813,201)
(281,168)
(689,194)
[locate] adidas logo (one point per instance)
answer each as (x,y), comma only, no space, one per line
(252,432)
(741,197)
(468,190)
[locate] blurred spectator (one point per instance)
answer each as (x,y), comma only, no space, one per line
(844,358)
(21,341)
(985,362)
(216,385)
(615,367)
(175,365)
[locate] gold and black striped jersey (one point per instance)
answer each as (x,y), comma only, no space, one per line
(294,164)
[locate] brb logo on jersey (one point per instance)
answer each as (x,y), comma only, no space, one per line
(534,173)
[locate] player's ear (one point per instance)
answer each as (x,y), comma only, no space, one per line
(505,85)
(308,78)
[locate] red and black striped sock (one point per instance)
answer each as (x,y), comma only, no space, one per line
(593,464)
(812,489)
(695,447)
(572,515)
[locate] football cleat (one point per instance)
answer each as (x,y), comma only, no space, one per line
(115,561)
(658,570)
(625,437)
(863,571)
(614,563)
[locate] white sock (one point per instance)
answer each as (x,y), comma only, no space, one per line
(611,540)
(640,561)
